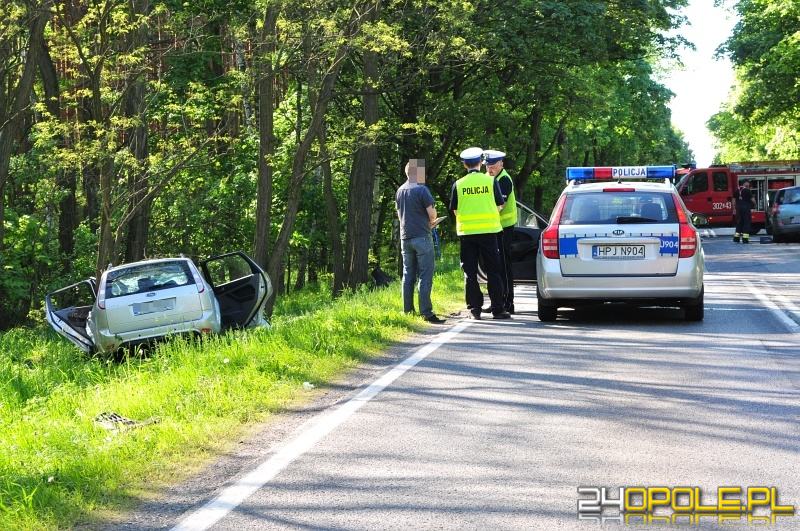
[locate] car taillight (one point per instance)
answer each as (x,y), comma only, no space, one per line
(549,241)
(198,280)
(688,245)
(688,236)
(101,293)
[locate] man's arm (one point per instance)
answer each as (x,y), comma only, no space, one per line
(498,197)
(431,215)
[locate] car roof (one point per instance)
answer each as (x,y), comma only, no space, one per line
(148,262)
(599,186)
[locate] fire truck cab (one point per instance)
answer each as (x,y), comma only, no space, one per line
(709,191)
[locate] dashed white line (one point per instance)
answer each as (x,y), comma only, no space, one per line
(233,496)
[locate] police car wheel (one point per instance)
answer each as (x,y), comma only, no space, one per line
(694,311)
(546,311)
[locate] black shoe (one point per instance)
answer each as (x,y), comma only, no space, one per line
(488,309)
(510,309)
(501,315)
(432,318)
(735,239)
(745,240)
(476,316)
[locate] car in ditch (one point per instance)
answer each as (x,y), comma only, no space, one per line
(141,302)
(620,234)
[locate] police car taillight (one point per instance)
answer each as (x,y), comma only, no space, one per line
(688,236)
(549,242)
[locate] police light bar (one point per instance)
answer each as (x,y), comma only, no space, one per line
(620,172)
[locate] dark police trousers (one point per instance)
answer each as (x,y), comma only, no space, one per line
(504,240)
(485,247)
(743,217)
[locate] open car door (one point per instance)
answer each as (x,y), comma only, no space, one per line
(525,244)
(241,287)
(68,309)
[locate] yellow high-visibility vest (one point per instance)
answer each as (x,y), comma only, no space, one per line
(477,212)
(508,216)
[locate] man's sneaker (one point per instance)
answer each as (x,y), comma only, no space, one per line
(501,315)
(432,318)
(475,316)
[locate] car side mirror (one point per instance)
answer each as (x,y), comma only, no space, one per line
(699,220)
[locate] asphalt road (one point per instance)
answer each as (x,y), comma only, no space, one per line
(499,426)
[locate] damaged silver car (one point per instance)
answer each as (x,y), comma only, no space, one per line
(140,302)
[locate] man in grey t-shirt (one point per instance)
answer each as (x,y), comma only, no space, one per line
(415,209)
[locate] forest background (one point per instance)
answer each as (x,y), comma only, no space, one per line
(140,128)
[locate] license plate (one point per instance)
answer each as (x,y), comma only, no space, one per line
(618,252)
(163,305)
(794,220)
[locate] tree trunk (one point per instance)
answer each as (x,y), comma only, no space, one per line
(19,100)
(138,138)
(66,180)
(359,208)
(331,215)
(297,176)
(266,146)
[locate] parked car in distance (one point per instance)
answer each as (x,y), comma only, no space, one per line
(141,302)
(784,214)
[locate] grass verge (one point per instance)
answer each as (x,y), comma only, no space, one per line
(59,467)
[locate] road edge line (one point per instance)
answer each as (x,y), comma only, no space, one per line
(774,308)
(233,495)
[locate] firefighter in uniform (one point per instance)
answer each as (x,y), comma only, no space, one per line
(475,200)
(508,219)
(744,204)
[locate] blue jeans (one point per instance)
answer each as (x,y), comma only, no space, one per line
(418,261)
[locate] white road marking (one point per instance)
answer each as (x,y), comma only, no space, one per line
(774,308)
(232,496)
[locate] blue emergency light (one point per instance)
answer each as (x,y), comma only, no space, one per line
(620,172)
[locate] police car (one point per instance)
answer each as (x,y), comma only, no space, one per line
(620,234)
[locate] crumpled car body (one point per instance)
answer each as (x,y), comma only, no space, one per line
(138,303)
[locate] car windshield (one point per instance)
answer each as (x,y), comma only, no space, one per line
(600,208)
(148,277)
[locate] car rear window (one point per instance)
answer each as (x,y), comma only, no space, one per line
(791,196)
(145,278)
(602,208)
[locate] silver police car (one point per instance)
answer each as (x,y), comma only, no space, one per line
(140,302)
(620,234)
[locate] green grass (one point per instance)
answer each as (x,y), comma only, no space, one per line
(58,467)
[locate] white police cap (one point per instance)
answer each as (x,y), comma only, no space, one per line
(472,155)
(492,155)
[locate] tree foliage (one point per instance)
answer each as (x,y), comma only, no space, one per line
(762,118)
(155,127)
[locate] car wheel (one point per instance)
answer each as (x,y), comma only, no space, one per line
(547,311)
(778,238)
(694,311)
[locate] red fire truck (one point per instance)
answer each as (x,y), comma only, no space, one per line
(709,191)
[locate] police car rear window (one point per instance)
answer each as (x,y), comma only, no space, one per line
(603,208)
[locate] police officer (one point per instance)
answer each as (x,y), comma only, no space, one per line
(508,218)
(744,205)
(476,200)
